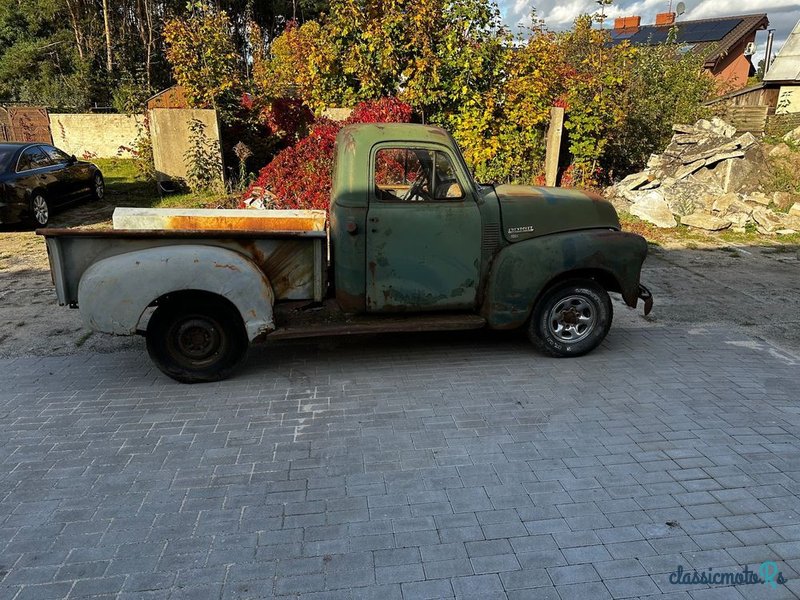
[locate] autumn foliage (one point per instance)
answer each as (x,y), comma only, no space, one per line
(299,177)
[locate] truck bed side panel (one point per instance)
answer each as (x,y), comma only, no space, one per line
(293,265)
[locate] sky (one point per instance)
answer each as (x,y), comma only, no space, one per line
(559,14)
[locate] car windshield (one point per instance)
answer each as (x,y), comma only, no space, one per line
(6,154)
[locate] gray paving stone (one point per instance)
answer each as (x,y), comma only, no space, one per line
(428,590)
(415,462)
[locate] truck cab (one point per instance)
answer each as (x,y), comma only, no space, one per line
(413,231)
(415,245)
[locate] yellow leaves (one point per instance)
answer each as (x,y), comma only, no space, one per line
(202,54)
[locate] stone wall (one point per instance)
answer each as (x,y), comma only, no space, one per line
(94,135)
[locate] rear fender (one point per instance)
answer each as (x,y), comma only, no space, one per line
(114,292)
(522,271)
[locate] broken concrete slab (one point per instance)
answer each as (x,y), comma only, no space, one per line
(767,220)
(721,204)
(705,221)
(758,198)
(686,170)
(717,126)
(793,137)
(652,207)
(632,182)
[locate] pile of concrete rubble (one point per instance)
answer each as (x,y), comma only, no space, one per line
(708,178)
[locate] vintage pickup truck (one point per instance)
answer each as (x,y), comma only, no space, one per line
(413,244)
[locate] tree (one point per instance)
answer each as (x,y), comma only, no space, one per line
(40,62)
(202,54)
(301,63)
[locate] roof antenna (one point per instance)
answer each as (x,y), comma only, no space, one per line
(680,9)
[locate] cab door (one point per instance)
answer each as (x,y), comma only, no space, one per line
(423,233)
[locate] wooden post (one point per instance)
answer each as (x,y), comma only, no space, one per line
(554,132)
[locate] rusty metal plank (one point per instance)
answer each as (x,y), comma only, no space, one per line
(219,219)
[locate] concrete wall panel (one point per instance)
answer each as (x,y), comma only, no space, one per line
(95,135)
(169,130)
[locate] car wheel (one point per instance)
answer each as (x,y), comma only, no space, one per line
(196,341)
(98,187)
(571,318)
(40,210)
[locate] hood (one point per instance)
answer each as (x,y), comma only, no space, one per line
(529,211)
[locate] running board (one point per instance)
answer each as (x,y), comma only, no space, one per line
(377,324)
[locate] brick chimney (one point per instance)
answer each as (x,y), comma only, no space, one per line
(623,23)
(665,19)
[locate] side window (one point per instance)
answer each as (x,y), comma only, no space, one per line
(57,156)
(415,175)
(32,158)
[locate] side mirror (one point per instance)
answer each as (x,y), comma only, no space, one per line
(72,160)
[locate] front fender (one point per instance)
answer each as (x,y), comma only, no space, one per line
(522,271)
(114,292)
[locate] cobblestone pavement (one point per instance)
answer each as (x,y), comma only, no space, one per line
(410,467)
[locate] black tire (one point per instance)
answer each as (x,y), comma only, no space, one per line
(39,210)
(98,186)
(571,318)
(196,340)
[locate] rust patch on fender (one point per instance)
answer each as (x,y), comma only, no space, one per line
(219,266)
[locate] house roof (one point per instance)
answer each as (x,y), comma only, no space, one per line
(786,66)
(711,38)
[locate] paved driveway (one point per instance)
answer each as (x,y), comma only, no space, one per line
(417,467)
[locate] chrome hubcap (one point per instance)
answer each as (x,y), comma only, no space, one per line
(572,318)
(98,187)
(40,211)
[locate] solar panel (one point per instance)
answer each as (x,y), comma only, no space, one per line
(710,31)
(687,33)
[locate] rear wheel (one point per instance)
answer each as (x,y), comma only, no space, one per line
(40,210)
(571,318)
(98,187)
(196,340)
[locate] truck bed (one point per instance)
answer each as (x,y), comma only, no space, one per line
(294,261)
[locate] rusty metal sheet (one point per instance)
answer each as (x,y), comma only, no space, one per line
(219,219)
(25,124)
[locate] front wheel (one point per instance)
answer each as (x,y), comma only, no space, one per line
(571,318)
(40,210)
(196,340)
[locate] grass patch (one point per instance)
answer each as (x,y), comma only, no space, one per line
(124,188)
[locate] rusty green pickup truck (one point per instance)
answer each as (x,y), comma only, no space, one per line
(412,243)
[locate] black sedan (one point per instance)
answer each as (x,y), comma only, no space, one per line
(37,178)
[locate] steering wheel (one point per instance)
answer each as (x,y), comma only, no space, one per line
(416,189)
